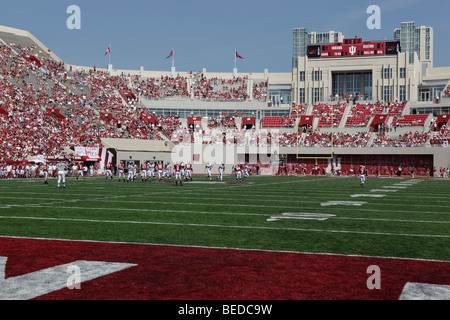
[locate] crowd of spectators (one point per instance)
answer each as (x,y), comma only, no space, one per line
(198,87)
(224,120)
(340,140)
(441,138)
(409,139)
(360,114)
(298,110)
(92,106)
(329,115)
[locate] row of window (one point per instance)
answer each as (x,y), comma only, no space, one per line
(185,113)
(386,73)
(387,94)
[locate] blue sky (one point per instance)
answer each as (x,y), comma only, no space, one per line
(205,34)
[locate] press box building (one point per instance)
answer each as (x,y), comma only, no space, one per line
(326,65)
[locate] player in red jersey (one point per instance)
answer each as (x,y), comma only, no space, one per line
(109,171)
(121,169)
(177,169)
(238,173)
(160,167)
(188,171)
(144,171)
(80,171)
(362,175)
(44,169)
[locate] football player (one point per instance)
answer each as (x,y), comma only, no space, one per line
(151,170)
(144,171)
(130,171)
(221,170)
(177,169)
(362,175)
(238,173)
(80,171)
(109,171)
(208,168)
(61,168)
(188,171)
(160,167)
(121,171)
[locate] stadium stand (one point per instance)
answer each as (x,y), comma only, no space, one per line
(46,106)
(329,115)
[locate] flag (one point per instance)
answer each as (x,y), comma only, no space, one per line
(170,55)
(238,56)
(108,50)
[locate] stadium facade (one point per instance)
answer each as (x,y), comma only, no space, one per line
(327,69)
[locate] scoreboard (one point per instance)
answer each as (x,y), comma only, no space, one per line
(354,47)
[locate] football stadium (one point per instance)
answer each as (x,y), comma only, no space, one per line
(330,182)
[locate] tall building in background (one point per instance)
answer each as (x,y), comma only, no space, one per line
(416,40)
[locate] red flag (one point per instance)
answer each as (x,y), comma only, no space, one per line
(108,50)
(238,56)
(170,55)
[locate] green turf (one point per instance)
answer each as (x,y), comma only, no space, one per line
(413,222)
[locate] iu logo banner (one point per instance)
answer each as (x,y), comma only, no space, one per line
(352,50)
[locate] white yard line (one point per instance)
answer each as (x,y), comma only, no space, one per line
(229,226)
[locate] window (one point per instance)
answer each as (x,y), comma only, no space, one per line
(302,75)
(387,93)
(338,84)
(318,93)
(317,76)
(403,73)
(387,73)
(302,95)
(353,84)
(402,96)
(368,86)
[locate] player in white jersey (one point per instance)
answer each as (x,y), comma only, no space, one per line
(168,171)
(208,168)
(135,170)
(246,171)
(183,171)
(75,170)
(221,170)
(151,170)
(121,169)
(130,171)
(61,168)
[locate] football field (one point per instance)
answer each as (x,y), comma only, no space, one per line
(389,218)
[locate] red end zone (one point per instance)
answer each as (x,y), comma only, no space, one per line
(188,273)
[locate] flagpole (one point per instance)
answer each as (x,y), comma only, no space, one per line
(173,58)
(235,58)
